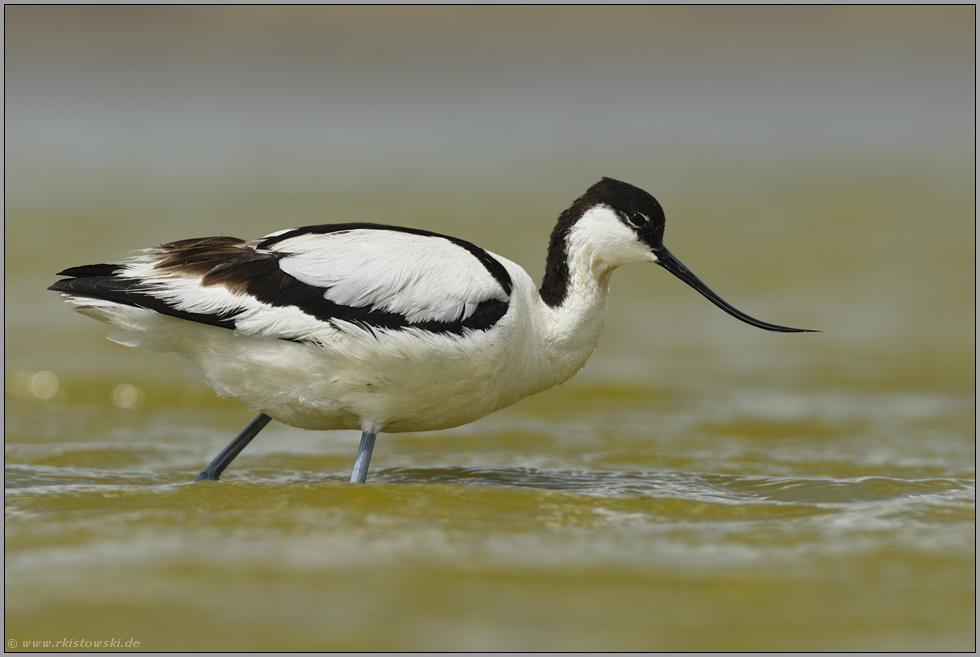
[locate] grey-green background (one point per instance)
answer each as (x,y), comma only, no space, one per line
(700,485)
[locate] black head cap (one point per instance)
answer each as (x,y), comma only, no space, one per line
(637,208)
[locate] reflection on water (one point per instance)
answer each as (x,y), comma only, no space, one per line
(701,485)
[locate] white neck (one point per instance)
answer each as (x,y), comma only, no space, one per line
(571,329)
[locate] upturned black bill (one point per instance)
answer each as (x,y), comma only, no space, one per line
(666,260)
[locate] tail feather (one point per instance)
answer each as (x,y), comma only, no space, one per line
(129,292)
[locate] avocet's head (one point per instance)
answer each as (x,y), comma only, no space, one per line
(623,224)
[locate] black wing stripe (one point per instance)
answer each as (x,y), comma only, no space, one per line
(492,265)
(130,292)
(268,283)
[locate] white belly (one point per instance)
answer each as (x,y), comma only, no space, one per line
(403,380)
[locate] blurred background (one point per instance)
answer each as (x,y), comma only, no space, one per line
(817,169)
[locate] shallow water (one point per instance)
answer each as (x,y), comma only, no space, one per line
(701,485)
(584,519)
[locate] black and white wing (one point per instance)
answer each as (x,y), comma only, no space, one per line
(296,283)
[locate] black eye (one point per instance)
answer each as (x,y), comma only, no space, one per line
(636,219)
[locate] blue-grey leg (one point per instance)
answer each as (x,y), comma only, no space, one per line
(228,454)
(363,458)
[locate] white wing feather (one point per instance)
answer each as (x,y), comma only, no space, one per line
(424,278)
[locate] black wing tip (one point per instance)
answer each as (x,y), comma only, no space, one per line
(90,274)
(90,271)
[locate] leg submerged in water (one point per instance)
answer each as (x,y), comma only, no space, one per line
(214,469)
(363,457)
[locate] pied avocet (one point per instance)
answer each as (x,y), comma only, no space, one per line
(371,327)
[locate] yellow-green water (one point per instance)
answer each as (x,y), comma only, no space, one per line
(701,485)
(728,489)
